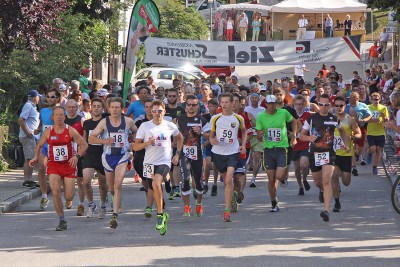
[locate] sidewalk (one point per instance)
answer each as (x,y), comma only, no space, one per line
(12,193)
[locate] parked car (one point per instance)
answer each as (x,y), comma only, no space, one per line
(203,7)
(164,76)
(185,67)
(220,70)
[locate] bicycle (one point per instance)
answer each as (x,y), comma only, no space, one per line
(395,195)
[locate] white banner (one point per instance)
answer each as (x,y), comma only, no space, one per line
(173,51)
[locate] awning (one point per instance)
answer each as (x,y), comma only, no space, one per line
(319,6)
(248,7)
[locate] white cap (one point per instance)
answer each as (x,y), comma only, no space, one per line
(270,99)
(102,92)
(62,87)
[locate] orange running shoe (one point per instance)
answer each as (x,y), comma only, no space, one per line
(187,210)
(199,210)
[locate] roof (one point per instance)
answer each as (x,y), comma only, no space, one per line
(319,6)
(248,7)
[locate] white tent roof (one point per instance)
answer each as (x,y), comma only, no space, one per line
(248,7)
(319,6)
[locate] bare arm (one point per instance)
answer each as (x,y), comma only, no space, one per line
(354,127)
(39,147)
(94,139)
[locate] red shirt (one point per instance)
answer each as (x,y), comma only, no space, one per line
(301,145)
(60,145)
(373,51)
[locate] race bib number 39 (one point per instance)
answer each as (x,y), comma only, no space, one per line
(60,153)
(118,139)
(148,170)
(321,158)
(190,152)
(274,134)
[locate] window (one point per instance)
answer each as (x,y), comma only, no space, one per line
(166,75)
(143,75)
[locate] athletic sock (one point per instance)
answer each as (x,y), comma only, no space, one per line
(44,195)
(62,218)
(274,202)
(253,179)
(91,204)
(161,214)
(80,203)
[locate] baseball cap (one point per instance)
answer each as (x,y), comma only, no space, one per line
(270,99)
(62,87)
(85,71)
(308,83)
(102,92)
(33,93)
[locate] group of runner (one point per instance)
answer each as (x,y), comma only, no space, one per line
(179,144)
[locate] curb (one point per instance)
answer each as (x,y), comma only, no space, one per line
(13,202)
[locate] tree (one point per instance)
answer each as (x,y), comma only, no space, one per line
(386,4)
(27,22)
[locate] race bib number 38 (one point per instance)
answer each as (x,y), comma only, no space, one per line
(60,153)
(148,170)
(190,152)
(321,158)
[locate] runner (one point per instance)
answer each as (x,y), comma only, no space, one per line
(343,157)
(319,129)
(224,139)
(53,98)
(300,153)
(271,125)
(92,162)
(138,159)
(256,147)
(376,131)
(76,121)
(116,151)
(191,161)
(155,137)
(61,165)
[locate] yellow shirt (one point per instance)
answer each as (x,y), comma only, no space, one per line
(338,143)
(377,128)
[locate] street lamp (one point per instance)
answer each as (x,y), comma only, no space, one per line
(211,5)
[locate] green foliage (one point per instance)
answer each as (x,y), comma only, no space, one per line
(386,5)
(380,20)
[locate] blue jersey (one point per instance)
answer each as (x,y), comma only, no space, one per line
(136,108)
(120,135)
(361,109)
(45,118)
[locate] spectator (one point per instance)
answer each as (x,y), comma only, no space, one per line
(373,55)
(328,26)
(383,39)
(84,81)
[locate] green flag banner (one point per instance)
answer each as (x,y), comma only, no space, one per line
(145,19)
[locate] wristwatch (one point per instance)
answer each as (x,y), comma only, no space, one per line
(178,153)
(78,156)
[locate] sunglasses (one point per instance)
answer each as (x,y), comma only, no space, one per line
(339,106)
(191,105)
(323,104)
(304,94)
(53,96)
(159,111)
(376,99)
(170,96)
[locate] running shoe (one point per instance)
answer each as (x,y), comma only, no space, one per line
(284,183)
(177,192)
(161,224)
(234,204)
(187,210)
(26,183)
(92,209)
(369,158)
(274,208)
(43,203)
(306,185)
(102,212)
(227,216)
(167,185)
(214,190)
(113,222)
(354,171)
(324,215)
(252,184)
(301,191)
(68,204)
(205,189)
(240,197)
(147,212)
(137,178)
(199,210)
(337,207)
(171,195)
(375,170)
(363,163)
(143,189)
(321,196)
(62,226)
(80,211)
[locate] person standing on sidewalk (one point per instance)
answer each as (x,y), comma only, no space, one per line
(61,165)
(301,31)
(29,121)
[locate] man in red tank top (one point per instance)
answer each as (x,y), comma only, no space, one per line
(61,165)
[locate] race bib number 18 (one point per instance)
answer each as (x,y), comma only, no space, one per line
(321,158)
(118,139)
(190,152)
(148,170)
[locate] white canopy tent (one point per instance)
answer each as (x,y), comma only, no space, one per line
(249,7)
(319,6)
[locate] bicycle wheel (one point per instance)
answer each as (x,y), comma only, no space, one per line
(395,197)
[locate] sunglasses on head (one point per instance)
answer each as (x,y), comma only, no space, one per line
(323,104)
(159,111)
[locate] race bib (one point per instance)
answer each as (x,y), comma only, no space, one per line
(148,170)
(375,114)
(90,132)
(119,139)
(338,143)
(60,153)
(321,158)
(226,135)
(190,152)
(274,134)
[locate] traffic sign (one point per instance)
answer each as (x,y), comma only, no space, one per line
(391,29)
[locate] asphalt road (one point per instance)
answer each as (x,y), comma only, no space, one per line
(365,233)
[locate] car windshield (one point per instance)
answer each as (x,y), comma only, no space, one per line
(144,74)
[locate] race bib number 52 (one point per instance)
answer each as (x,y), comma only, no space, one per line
(321,158)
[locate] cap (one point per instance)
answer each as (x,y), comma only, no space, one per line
(62,87)
(308,83)
(33,93)
(102,92)
(291,80)
(348,82)
(85,71)
(270,99)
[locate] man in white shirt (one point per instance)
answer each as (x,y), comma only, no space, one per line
(243,25)
(299,70)
(328,26)
(383,39)
(301,32)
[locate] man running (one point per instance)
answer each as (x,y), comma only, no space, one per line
(224,139)
(319,129)
(271,125)
(61,165)
(191,161)
(343,157)
(116,151)
(155,137)
(92,162)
